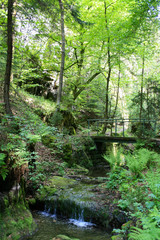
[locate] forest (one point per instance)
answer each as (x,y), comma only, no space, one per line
(80,119)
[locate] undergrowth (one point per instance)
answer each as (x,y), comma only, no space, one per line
(136,176)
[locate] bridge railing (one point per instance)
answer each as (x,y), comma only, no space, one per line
(122,126)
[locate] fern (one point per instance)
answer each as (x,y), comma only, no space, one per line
(153,180)
(141,160)
(3,168)
(152,233)
(115,160)
(149,230)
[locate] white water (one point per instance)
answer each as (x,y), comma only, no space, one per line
(49,228)
(46,213)
(77,222)
(81,223)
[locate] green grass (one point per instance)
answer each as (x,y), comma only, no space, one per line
(38,102)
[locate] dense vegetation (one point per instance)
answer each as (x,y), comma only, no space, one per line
(62,63)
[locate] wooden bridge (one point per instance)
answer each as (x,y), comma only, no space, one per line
(123,130)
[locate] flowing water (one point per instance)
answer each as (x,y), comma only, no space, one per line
(49,227)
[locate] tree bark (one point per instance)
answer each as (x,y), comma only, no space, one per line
(106,114)
(62,55)
(141,93)
(7,78)
(117,97)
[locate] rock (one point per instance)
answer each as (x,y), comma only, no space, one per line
(63,237)
(117,237)
(67,153)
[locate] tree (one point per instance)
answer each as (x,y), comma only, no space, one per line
(62,55)
(9,57)
(99,45)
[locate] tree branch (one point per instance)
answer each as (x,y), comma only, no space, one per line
(84,87)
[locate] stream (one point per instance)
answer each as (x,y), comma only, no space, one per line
(52,222)
(49,227)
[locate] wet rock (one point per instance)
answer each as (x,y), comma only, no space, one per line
(74,199)
(117,237)
(63,237)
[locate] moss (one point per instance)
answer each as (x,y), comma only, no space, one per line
(80,170)
(48,140)
(17,221)
(65,120)
(117,237)
(45,191)
(63,237)
(32,201)
(6,202)
(67,153)
(60,182)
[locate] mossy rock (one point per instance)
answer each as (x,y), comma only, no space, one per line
(63,237)
(117,237)
(60,182)
(65,120)
(44,192)
(31,201)
(67,153)
(16,222)
(48,140)
(80,170)
(53,185)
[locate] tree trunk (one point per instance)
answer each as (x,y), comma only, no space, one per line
(106,114)
(62,56)
(117,97)
(9,57)
(141,93)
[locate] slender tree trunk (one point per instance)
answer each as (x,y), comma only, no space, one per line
(62,56)
(117,97)
(80,61)
(7,78)
(141,93)
(106,114)
(148,101)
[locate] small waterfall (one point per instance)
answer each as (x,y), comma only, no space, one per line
(47,212)
(62,208)
(80,222)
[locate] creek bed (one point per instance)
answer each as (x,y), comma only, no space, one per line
(49,227)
